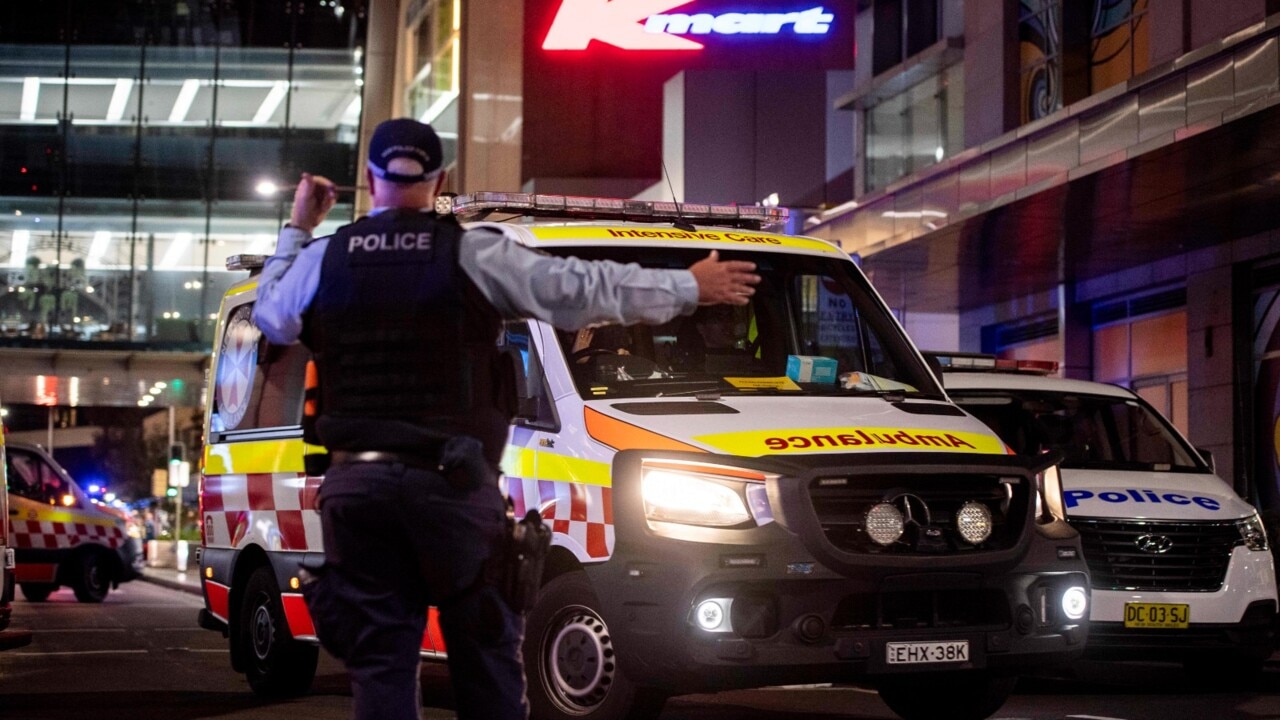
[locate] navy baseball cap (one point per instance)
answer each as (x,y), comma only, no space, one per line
(404,138)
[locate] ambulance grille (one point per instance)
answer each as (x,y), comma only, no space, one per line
(1195,560)
(842,510)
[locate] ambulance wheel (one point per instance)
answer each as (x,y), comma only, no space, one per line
(37,592)
(93,580)
(956,695)
(275,664)
(572,666)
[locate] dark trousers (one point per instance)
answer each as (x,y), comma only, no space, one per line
(396,540)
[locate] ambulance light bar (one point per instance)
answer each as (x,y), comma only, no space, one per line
(592,208)
(246,262)
(976,362)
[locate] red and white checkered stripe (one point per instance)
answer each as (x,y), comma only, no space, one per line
(581,513)
(276,509)
(47,534)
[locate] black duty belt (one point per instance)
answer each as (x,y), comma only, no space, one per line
(422,462)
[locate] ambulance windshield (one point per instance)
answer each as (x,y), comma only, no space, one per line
(813,327)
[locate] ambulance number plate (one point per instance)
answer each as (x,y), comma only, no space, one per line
(1157,615)
(912,653)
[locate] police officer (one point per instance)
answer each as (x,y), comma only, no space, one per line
(401,311)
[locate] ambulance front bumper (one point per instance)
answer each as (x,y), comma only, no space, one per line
(704,609)
(719,616)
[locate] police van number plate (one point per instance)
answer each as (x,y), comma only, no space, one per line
(910,653)
(1157,615)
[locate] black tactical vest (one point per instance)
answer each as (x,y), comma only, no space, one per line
(404,342)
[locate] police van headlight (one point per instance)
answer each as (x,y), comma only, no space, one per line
(697,495)
(1253,532)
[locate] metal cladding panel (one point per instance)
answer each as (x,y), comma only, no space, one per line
(1009,168)
(1257,71)
(975,184)
(1109,131)
(1162,108)
(1053,153)
(907,204)
(940,200)
(880,227)
(1210,89)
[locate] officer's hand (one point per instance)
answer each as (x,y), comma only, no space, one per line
(312,201)
(729,282)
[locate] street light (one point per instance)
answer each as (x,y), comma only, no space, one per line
(269,188)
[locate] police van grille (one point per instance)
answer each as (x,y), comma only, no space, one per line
(1196,560)
(842,510)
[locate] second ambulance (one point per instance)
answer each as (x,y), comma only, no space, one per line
(759,495)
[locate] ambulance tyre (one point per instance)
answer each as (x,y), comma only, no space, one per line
(92,579)
(569,657)
(37,592)
(955,695)
(275,664)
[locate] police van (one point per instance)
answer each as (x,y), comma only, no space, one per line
(61,536)
(1179,563)
(9,638)
(773,493)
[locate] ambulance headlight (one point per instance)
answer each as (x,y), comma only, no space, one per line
(691,497)
(1253,532)
(712,615)
(1075,602)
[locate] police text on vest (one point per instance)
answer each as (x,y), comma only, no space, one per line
(390,241)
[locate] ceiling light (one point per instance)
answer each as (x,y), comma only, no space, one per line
(177,247)
(272,102)
(30,98)
(119,99)
(97,248)
(182,105)
(21,243)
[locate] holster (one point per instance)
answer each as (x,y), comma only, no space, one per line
(515,568)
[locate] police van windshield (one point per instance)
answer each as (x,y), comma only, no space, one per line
(1093,432)
(813,327)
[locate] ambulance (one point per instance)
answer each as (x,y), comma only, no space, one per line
(1180,563)
(9,638)
(61,536)
(747,496)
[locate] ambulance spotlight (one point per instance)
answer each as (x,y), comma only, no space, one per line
(884,524)
(1075,602)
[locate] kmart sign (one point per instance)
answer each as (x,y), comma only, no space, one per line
(650,24)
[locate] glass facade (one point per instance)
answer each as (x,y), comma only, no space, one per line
(434,42)
(134,141)
(915,129)
(1040,56)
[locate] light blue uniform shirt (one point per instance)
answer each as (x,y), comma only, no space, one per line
(568,293)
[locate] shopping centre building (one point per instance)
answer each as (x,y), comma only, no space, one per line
(1090,182)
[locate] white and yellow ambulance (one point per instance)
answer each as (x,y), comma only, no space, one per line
(9,638)
(61,536)
(758,495)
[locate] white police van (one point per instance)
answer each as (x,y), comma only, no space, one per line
(1179,563)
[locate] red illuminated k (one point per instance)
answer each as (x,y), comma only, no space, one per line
(616,22)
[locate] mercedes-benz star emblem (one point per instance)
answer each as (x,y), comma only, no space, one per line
(1154,544)
(914,510)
